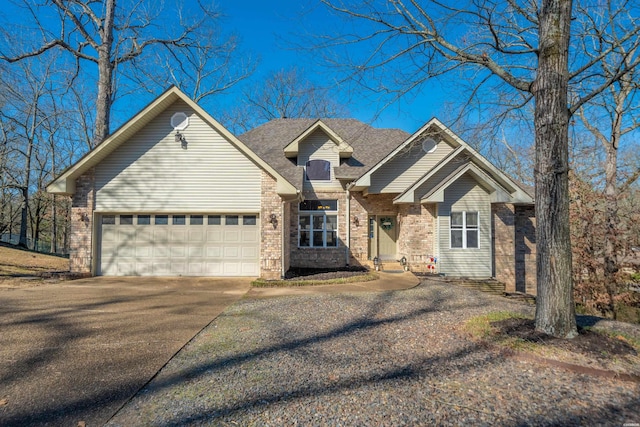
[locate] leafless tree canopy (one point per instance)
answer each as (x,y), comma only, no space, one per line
(560,55)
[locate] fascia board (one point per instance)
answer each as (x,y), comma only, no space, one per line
(345,150)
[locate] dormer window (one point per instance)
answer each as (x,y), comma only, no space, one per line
(318,170)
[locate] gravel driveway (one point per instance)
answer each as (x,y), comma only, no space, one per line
(383,359)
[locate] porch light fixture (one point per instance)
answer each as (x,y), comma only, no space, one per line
(273,219)
(376,263)
(356,221)
(403,261)
(181,139)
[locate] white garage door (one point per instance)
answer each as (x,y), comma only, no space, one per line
(179,245)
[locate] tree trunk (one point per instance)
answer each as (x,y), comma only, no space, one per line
(105,74)
(555,309)
(611,211)
(24,218)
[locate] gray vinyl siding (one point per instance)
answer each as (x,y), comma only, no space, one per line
(406,168)
(318,146)
(151,172)
(438,177)
(465,195)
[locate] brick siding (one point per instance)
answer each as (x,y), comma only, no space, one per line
(80,239)
(271,250)
(514,247)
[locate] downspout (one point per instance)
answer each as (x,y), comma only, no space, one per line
(282,239)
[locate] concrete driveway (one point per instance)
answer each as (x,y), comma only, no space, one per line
(76,351)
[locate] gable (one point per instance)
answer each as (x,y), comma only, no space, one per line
(65,182)
(318,148)
(153,172)
(406,167)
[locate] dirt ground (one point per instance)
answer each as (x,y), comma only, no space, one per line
(19,267)
(590,349)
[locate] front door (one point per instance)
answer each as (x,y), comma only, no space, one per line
(387,235)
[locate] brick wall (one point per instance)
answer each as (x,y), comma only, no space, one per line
(503,227)
(80,239)
(417,234)
(515,247)
(271,236)
(525,236)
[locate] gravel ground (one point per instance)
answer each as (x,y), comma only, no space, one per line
(383,359)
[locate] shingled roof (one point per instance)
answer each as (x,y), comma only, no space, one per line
(370,145)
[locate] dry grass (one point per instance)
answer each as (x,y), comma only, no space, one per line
(592,348)
(18,267)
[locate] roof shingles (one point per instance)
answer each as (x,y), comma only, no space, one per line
(370,145)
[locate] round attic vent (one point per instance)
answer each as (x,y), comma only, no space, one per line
(179,121)
(429,145)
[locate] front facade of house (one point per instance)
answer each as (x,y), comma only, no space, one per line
(173,193)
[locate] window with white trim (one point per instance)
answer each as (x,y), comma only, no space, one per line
(318,224)
(465,230)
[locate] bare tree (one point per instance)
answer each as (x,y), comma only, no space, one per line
(519,47)
(111,34)
(284,94)
(610,117)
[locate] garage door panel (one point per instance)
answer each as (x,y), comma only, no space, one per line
(178,251)
(231,252)
(231,236)
(196,236)
(250,236)
(249,253)
(167,249)
(214,235)
(161,268)
(214,251)
(143,252)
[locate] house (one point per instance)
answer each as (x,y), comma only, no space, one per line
(172,192)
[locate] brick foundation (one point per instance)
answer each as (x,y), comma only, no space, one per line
(417,235)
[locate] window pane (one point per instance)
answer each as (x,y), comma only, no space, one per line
(318,222)
(318,205)
(179,220)
(126,219)
(472,238)
(162,219)
(317,238)
(109,219)
(456,219)
(332,222)
(318,170)
(456,238)
(304,238)
(304,221)
(231,220)
(195,220)
(249,220)
(213,220)
(472,219)
(144,219)
(332,238)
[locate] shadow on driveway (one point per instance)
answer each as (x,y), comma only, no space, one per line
(77,351)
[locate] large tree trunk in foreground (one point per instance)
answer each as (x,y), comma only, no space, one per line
(555,310)
(105,73)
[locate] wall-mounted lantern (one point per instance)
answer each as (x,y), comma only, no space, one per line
(356,221)
(403,261)
(273,219)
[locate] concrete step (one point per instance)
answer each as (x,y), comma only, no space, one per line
(489,286)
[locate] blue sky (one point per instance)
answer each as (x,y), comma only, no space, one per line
(269,29)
